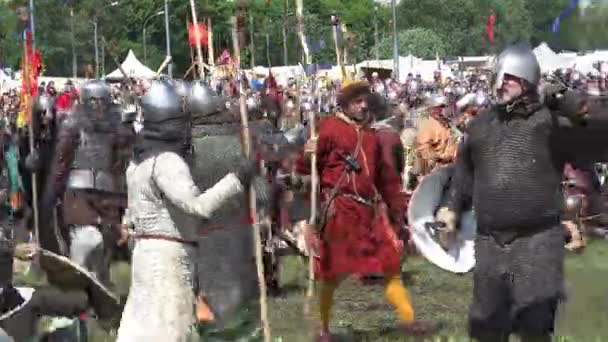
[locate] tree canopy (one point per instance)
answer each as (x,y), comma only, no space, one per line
(449,27)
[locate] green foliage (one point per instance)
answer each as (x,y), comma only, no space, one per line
(452,27)
(420,42)
(8,36)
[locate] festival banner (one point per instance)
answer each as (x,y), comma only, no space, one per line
(565,13)
(490,27)
(30,70)
(202,34)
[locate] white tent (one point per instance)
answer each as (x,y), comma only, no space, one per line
(133,67)
(410,64)
(426,68)
(549,60)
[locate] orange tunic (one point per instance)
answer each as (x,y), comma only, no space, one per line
(434,145)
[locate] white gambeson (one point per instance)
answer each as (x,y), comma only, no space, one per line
(164,201)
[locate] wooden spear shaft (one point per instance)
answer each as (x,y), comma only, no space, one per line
(314,195)
(246,141)
(210,43)
(199,50)
(336,26)
(313,159)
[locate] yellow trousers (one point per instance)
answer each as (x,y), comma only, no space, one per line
(395,291)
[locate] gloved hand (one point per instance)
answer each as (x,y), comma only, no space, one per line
(446,235)
(263,192)
(552,92)
(559,98)
(246,171)
(32,161)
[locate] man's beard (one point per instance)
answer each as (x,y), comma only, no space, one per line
(506,97)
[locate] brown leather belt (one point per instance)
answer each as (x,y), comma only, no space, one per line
(357,199)
(166,238)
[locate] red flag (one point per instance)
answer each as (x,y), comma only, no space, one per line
(34,65)
(202,34)
(490,27)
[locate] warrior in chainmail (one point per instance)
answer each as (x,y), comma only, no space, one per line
(165,209)
(86,175)
(514,155)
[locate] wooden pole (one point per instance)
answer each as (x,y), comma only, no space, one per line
(285,55)
(301,32)
(210,43)
(251,41)
(314,195)
(199,51)
(252,203)
(336,25)
(268,50)
(27,108)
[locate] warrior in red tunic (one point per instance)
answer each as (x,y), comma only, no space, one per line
(355,239)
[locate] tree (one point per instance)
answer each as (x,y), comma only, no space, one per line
(457,26)
(9,37)
(420,42)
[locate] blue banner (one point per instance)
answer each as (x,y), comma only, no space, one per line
(566,12)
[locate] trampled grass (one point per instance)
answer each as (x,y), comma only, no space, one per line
(362,314)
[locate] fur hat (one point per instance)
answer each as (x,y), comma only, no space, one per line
(352,90)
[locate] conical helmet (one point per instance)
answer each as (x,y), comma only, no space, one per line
(161,102)
(202,100)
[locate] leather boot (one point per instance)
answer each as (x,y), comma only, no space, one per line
(420,328)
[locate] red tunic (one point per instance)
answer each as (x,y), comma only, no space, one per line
(358,238)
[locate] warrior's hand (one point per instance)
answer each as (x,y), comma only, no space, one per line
(32,161)
(311,146)
(25,251)
(247,170)
(446,234)
(123,235)
(263,192)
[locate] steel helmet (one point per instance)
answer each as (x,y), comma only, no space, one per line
(519,61)
(202,100)
(161,102)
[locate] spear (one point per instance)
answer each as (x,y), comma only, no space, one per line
(335,21)
(246,141)
(313,159)
(199,51)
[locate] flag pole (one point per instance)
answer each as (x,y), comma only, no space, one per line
(246,141)
(27,111)
(197,34)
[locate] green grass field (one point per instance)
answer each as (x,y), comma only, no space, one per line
(361,313)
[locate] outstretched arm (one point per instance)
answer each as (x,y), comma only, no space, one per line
(172,176)
(585,140)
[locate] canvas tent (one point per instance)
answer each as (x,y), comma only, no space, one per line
(549,60)
(133,67)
